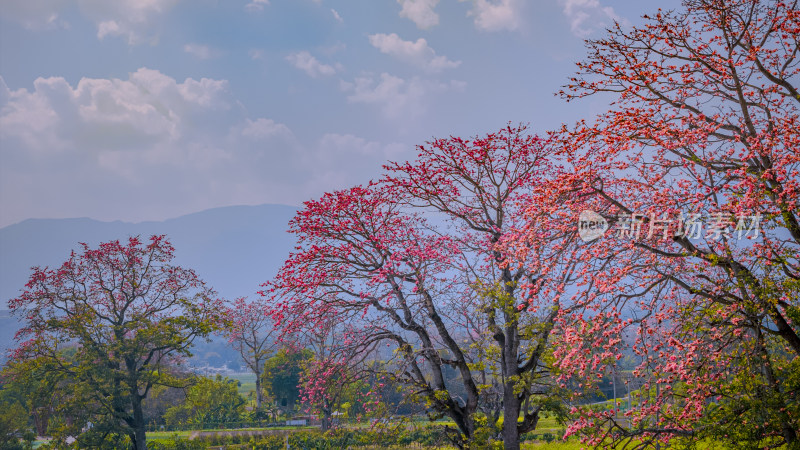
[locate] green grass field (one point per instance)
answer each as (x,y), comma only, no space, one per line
(571,445)
(247,383)
(166,435)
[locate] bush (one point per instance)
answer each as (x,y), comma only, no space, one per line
(429,436)
(177,443)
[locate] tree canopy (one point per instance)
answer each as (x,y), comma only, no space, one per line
(127,313)
(694,174)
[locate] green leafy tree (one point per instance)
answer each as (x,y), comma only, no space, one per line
(209,401)
(282,375)
(13,421)
(129,314)
(162,398)
(41,392)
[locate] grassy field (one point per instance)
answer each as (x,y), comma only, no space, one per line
(570,445)
(247,383)
(168,435)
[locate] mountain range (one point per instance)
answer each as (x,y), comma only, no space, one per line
(233,249)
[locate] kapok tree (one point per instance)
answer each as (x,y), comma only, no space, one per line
(431,290)
(479,188)
(127,314)
(334,375)
(253,335)
(362,260)
(696,171)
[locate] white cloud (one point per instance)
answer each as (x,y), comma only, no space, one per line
(256,5)
(310,65)
(264,128)
(200,51)
(336,15)
(394,95)
(363,159)
(334,146)
(332,49)
(148,143)
(109,28)
(151,147)
(589,16)
(133,20)
(421,12)
(34,14)
(29,118)
(495,15)
(417,53)
(103,114)
(256,53)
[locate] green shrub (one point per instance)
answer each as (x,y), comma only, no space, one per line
(429,436)
(177,443)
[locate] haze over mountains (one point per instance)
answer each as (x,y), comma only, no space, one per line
(233,249)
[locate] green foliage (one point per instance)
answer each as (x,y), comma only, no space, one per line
(41,390)
(14,413)
(160,399)
(429,436)
(177,443)
(209,400)
(103,437)
(124,313)
(282,375)
(750,411)
(54,403)
(14,425)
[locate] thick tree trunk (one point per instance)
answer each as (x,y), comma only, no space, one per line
(137,424)
(511,401)
(511,370)
(511,405)
(139,438)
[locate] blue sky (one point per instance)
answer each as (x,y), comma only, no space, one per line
(149,109)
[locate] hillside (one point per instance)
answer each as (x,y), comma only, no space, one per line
(234,249)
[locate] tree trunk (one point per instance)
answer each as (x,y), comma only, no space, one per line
(787,427)
(511,370)
(259,395)
(140,440)
(511,405)
(511,401)
(138,437)
(41,418)
(327,414)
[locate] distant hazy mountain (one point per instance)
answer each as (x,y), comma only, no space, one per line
(234,249)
